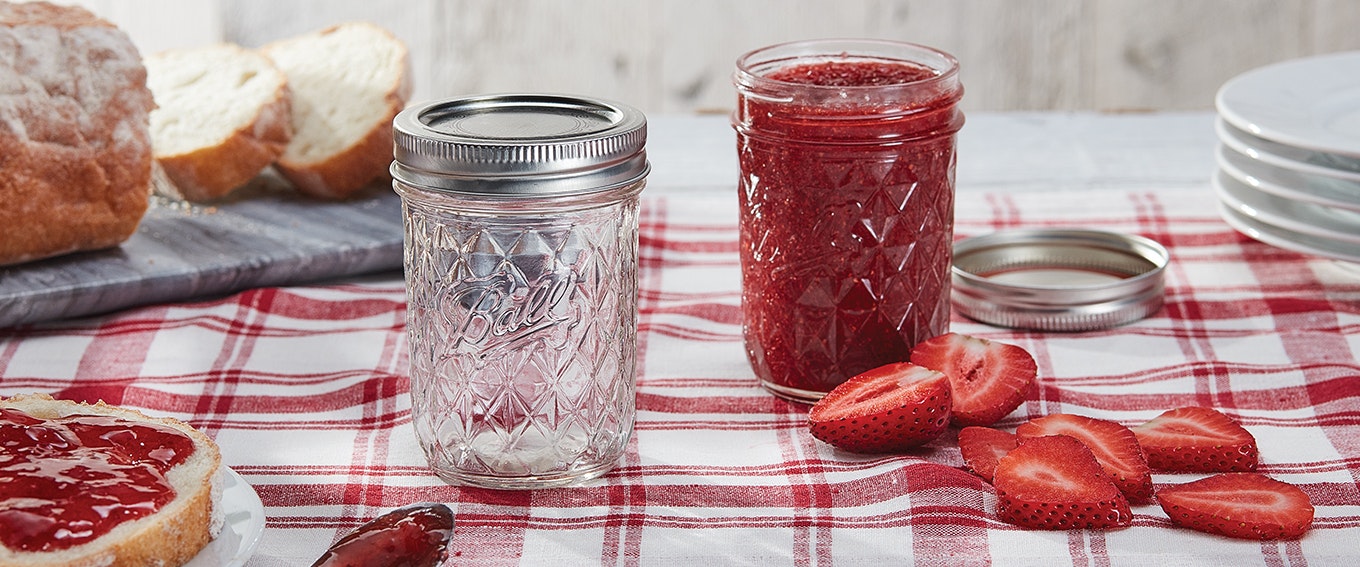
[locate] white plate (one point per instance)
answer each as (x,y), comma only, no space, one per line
(245,524)
(1287,183)
(1288,240)
(1312,102)
(1297,216)
(1288,157)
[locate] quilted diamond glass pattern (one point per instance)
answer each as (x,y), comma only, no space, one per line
(523,340)
(846,149)
(845,258)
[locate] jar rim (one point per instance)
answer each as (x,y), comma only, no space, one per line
(748,65)
(1129,286)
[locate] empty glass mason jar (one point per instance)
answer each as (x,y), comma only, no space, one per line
(521,282)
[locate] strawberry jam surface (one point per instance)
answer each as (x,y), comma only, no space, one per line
(852,74)
(847,197)
(66,481)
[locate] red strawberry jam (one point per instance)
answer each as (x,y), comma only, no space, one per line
(410,536)
(852,74)
(66,481)
(847,202)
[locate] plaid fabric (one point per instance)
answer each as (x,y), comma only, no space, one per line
(304,388)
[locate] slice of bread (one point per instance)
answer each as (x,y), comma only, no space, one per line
(75,146)
(349,81)
(172,535)
(224,114)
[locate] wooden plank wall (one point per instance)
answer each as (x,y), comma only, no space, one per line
(675,56)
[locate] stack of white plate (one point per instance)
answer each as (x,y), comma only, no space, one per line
(1289,154)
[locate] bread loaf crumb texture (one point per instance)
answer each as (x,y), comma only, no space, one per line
(74,122)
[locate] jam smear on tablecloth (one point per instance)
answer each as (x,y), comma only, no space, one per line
(66,481)
(848,213)
(410,536)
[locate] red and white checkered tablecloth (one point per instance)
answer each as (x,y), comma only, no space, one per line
(305,390)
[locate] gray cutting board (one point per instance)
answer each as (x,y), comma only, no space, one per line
(266,235)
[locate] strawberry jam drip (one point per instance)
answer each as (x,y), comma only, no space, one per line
(411,536)
(66,481)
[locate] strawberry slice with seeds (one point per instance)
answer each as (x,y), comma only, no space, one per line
(1115,448)
(983,447)
(1054,483)
(1197,439)
(988,379)
(890,408)
(1241,505)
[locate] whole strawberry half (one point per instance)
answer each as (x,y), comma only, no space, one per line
(1055,483)
(1240,505)
(890,408)
(1197,439)
(983,447)
(1115,448)
(988,379)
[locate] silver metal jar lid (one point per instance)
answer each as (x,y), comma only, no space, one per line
(520,145)
(1058,279)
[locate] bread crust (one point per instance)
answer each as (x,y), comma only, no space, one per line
(75,148)
(170,537)
(211,172)
(344,173)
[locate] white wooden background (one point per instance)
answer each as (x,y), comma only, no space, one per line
(675,56)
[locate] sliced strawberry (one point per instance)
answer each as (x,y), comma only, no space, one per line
(983,447)
(1196,439)
(1114,446)
(889,408)
(988,379)
(1240,505)
(1055,483)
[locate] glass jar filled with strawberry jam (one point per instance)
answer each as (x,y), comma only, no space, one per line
(847,154)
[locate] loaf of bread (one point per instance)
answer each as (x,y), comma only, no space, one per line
(81,455)
(348,82)
(223,115)
(75,172)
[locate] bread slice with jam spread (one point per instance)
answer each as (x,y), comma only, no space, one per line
(99,496)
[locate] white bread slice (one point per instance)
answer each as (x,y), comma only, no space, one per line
(349,81)
(75,148)
(171,536)
(224,115)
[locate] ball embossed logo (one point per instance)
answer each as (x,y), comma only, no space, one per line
(496,312)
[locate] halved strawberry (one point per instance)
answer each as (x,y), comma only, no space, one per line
(1114,446)
(1240,505)
(989,379)
(1196,439)
(1055,483)
(890,408)
(983,447)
